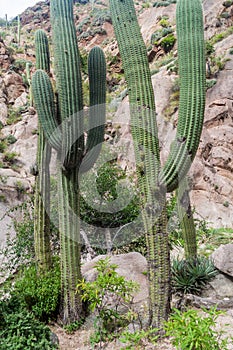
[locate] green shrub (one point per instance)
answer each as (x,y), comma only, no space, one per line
(191,275)
(159,34)
(189,331)
(210,83)
(227,3)
(39,292)
(19,330)
(10,157)
(3,146)
(168,42)
(99,295)
(225,15)
(10,139)
(14,115)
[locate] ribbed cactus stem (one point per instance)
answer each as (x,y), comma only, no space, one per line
(192,72)
(18,30)
(69,81)
(44,102)
(186,219)
(42,51)
(97,110)
(42,182)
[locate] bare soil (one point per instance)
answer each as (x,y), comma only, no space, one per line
(79,340)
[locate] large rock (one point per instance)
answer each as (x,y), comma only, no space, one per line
(223,259)
(132,266)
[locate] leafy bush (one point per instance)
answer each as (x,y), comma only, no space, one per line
(189,331)
(19,330)
(168,42)
(39,292)
(105,296)
(159,34)
(191,275)
(228,3)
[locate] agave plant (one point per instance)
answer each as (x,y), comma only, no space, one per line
(190,276)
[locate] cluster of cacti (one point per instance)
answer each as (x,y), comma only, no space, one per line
(42,179)
(154,180)
(63,125)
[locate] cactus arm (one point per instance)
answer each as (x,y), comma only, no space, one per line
(42,51)
(97,112)
(44,102)
(68,78)
(191,62)
(42,182)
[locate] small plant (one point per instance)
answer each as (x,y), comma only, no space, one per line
(192,275)
(3,146)
(168,42)
(137,338)
(189,331)
(14,115)
(106,295)
(72,327)
(10,157)
(10,139)
(228,3)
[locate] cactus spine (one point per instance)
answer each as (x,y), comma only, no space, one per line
(42,182)
(64,130)
(155,181)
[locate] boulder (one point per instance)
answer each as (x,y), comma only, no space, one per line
(220,287)
(223,259)
(131,265)
(14,86)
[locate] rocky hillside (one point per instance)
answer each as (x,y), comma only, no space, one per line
(212,171)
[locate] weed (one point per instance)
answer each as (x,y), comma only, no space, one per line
(106,295)
(189,331)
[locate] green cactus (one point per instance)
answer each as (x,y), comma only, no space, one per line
(64,129)
(18,30)
(153,180)
(42,180)
(186,219)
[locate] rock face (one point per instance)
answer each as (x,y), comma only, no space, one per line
(223,259)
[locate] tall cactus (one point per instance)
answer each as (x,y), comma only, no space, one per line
(42,183)
(64,129)
(155,181)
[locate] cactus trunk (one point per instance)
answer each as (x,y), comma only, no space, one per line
(69,228)
(153,180)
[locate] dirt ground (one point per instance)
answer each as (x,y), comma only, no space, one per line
(79,340)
